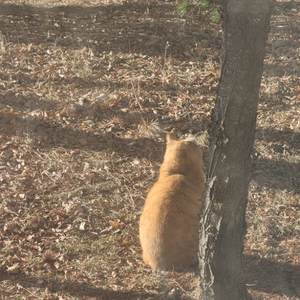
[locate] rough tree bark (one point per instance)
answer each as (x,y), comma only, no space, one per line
(222,225)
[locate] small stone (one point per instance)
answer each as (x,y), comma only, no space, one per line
(102,96)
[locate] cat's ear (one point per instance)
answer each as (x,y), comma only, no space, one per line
(171,137)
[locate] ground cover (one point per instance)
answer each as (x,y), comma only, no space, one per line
(87,92)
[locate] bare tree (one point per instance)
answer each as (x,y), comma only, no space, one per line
(222,225)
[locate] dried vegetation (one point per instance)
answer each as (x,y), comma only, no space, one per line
(86,94)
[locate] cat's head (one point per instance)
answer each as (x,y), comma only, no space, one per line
(172,137)
(182,156)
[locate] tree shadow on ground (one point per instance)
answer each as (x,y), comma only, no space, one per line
(284,140)
(140,27)
(281,65)
(97,136)
(44,135)
(272,277)
(276,174)
(72,289)
(282,172)
(268,276)
(284,43)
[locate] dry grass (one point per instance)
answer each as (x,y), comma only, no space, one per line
(75,167)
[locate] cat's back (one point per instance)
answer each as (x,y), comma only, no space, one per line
(169,221)
(172,194)
(169,224)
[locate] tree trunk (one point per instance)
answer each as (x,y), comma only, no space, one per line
(222,225)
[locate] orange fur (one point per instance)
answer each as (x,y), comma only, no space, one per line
(169,222)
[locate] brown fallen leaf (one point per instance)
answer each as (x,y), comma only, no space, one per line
(152,42)
(115,224)
(14,269)
(185,127)
(126,240)
(10,117)
(10,211)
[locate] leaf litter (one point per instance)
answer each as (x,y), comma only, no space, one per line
(87,92)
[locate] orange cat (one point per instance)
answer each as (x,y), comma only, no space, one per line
(169,222)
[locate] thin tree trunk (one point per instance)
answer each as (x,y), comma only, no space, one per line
(223,226)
